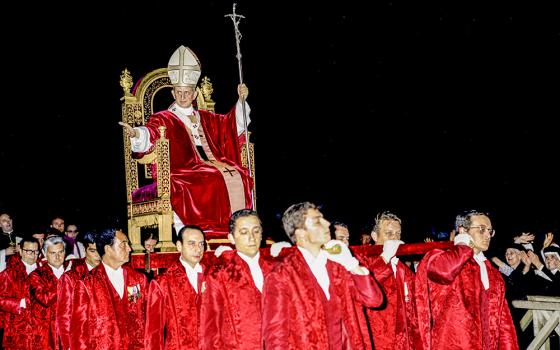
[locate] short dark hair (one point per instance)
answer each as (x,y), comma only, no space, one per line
(294,218)
(332,228)
(105,237)
(189,227)
(240,214)
(89,238)
(29,239)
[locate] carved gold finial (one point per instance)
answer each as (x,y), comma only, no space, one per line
(162,132)
(207,90)
(126,82)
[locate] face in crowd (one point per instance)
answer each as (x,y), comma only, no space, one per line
(388,230)
(481,231)
(55,255)
(342,234)
(247,235)
(58,224)
(92,256)
(29,252)
(6,223)
(315,229)
(119,252)
(192,246)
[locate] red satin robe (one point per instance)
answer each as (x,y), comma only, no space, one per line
(172,310)
(395,325)
(297,315)
(43,290)
(101,319)
(231,314)
(14,286)
(65,291)
(451,298)
(198,191)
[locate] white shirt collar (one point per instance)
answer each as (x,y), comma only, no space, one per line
(318,266)
(480,259)
(116,277)
(57,271)
(255,268)
(186,111)
(192,273)
(89,267)
(29,268)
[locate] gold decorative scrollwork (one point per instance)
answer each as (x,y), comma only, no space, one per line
(126,82)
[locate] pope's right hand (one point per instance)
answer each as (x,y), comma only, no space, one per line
(130,131)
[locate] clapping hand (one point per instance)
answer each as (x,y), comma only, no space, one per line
(548,240)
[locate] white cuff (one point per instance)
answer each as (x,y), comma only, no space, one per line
(22,303)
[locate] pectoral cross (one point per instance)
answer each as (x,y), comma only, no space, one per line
(229,171)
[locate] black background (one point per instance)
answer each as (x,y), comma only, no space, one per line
(422,108)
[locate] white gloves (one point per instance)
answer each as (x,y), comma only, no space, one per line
(275,248)
(463,238)
(390,249)
(220,250)
(344,258)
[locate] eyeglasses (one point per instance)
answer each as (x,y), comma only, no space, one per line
(484,229)
(30,251)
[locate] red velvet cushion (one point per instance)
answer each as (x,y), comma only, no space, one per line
(145,193)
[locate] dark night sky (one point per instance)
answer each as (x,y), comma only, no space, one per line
(424,108)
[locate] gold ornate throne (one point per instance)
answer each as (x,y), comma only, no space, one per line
(149,201)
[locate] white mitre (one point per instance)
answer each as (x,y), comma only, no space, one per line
(184,67)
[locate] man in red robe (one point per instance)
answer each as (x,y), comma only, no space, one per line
(109,304)
(174,297)
(79,269)
(309,297)
(231,313)
(14,296)
(208,182)
(43,289)
(460,296)
(394,326)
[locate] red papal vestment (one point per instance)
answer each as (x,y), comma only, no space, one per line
(451,298)
(395,324)
(101,319)
(172,310)
(231,314)
(65,292)
(14,286)
(297,314)
(43,290)
(199,195)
